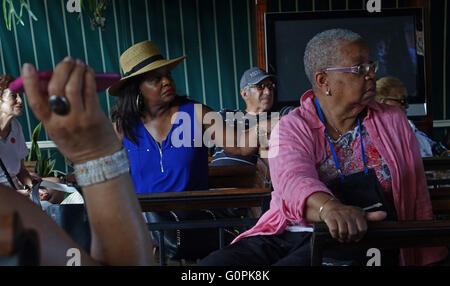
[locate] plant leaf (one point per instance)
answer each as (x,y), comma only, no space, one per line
(35,152)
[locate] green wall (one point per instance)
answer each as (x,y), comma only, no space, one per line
(216,35)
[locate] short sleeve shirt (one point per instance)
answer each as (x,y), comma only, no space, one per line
(12,150)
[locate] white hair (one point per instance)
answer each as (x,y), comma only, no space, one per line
(323,50)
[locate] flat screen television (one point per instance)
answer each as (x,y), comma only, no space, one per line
(395,38)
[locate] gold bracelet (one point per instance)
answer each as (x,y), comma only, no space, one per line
(321,208)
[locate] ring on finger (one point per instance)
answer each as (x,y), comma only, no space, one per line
(58,104)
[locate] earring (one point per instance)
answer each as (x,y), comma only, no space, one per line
(328,93)
(138,101)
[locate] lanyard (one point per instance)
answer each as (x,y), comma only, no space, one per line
(338,167)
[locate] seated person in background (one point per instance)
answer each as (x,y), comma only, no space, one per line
(85,136)
(390,90)
(163,133)
(13,149)
(257,89)
(324,151)
(50,196)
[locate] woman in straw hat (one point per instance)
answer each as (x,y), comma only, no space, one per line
(162,133)
(149,115)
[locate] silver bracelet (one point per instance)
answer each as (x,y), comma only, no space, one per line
(102,169)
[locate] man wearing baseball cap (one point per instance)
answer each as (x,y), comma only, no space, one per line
(257,88)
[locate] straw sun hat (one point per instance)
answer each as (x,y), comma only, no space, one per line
(141,58)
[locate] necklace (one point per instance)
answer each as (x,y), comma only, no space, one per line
(339,132)
(336,130)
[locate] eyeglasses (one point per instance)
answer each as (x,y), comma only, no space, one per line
(262,86)
(362,69)
(403,101)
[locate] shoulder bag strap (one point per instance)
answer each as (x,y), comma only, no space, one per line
(10,181)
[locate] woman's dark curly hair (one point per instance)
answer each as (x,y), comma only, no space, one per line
(125,112)
(5,80)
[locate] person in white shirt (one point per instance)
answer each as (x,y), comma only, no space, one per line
(13,149)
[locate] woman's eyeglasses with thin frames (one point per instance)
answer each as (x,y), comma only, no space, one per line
(362,69)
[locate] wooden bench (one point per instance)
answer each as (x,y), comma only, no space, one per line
(18,246)
(241,176)
(383,235)
(208,199)
(436,164)
(218,198)
(440,201)
(393,234)
(438,188)
(232,187)
(436,167)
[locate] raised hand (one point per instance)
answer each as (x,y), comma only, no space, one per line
(84,133)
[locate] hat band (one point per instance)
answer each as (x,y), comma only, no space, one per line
(143,64)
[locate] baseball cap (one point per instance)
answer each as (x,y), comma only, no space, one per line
(253,76)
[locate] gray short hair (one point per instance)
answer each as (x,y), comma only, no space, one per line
(323,50)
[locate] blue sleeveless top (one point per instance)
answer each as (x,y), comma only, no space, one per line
(178,165)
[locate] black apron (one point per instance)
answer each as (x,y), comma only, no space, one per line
(360,189)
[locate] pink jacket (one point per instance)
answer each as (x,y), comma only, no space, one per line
(298,144)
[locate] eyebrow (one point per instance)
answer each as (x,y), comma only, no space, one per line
(360,59)
(265,81)
(155,73)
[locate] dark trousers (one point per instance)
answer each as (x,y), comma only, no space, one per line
(286,249)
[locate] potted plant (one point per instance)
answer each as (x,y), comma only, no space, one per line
(35,152)
(36,162)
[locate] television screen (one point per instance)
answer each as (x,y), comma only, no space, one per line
(394,36)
